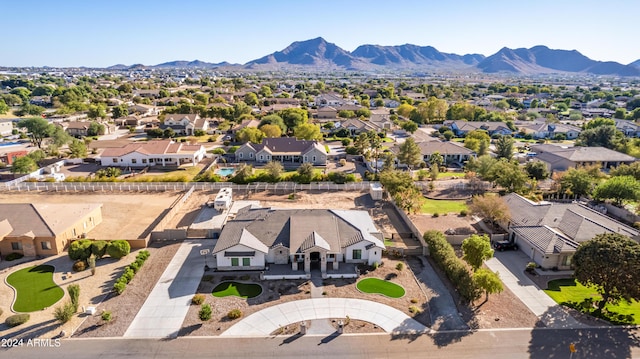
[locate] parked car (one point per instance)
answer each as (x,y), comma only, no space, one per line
(505,246)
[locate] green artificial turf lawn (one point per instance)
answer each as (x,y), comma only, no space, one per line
(568,290)
(242,290)
(379,286)
(35,288)
(442,206)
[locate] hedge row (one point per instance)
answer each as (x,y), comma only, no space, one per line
(130,271)
(84,248)
(445,257)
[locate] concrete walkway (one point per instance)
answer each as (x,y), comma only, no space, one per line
(510,265)
(266,321)
(167,305)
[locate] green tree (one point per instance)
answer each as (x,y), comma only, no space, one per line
(395,181)
(409,126)
(271,130)
(610,262)
(120,111)
(436,159)
(508,175)
(578,181)
(293,117)
(477,141)
(77,149)
(618,188)
(274,170)
(168,133)
(117,249)
(23,164)
(97,111)
(409,153)
(96,129)
(504,147)
(404,110)
(490,207)
(249,134)
(346,114)
(4,108)
(487,281)
(476,249)
(273,120)
(308,131)
(265,91)
(305,172)
(603,136)
(537,170)
(627,170)
(38,129)
(251,99)
(60,137)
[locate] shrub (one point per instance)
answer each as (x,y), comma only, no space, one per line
(205,312)
(414,310)
(106,316)
(119,287)
(376,265)
(92,263)
(65,312)
(128,274)
(400,266)
(16,319)
(74,294)
(135,266)
(79,266)
(414,300)
(463,213)
(445,257)
(436,214)
(13,256)
(198,299)
(99,248)
(118,248)
(80,250)
(234,314)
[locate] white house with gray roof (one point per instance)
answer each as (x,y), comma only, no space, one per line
(286,150)
(558,158)
(300,239)
(550,232)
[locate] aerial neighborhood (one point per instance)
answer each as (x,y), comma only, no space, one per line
(284,199)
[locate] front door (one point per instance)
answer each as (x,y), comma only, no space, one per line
(314,257)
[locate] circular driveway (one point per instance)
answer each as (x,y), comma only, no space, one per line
(268,320)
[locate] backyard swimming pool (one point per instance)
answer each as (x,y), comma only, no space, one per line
(225,171)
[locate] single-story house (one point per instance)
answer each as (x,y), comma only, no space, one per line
(287,150)
(629,128)
(541,129)
(244,124)
(461,128)
(305,239)
(38,229)
(133,121)
(153,153)
(77,128)
(450,151)
(184,124)
(549,232)
(144,110)
(558,158)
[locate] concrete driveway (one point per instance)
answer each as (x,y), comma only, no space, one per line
(510,265)
(163,312)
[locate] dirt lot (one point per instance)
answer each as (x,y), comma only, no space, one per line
(280,291)
(124,215)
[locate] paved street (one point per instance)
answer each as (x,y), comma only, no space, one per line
(598,343)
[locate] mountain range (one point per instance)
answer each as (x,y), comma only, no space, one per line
(319,55)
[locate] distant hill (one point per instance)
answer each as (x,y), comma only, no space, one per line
(319,55)
(541,59)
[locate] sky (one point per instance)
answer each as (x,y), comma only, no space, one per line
(101,33)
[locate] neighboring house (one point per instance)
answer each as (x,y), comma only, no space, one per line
(6,128)
(558,158)
(132,121)
(77,128)
(461,128)
(450,151)
(357,126)
(144,110)
(327,112)
(548,130)
(185,124)
(304,239)
(549,233)
(10,155)
(629,128)
(147,93)
(287,150)
(243,125)
(153,153)
(45,229)
(333,100)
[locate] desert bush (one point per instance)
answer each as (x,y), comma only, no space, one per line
(118,248)
(463,213)
(99,248)
(13,256)
(74,294)
(414,300)
(135,266)
(65,312)
(16,319)
(234,314)
(119,287)
(400,266)
(414,310)
(92,263)
(205,312)
(80,250)
(198,299)
(436,215)
(79,266)
(106,316)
